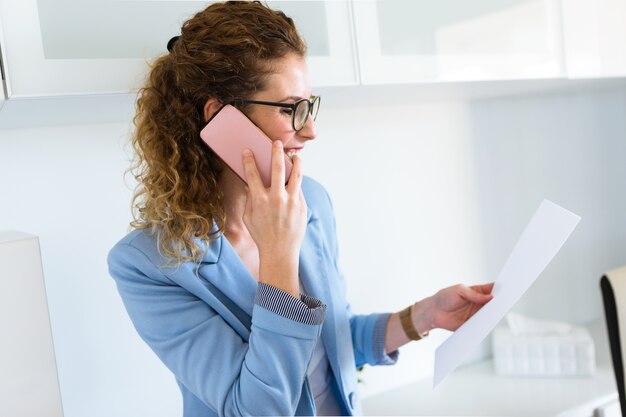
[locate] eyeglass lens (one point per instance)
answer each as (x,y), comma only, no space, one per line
(302,111)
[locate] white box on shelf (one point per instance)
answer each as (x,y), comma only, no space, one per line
(545,354)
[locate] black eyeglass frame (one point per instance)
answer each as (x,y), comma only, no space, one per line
(311,102)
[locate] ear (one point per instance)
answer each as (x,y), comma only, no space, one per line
(211,106)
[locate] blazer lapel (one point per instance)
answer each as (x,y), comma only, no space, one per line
(231,276)
(221,270)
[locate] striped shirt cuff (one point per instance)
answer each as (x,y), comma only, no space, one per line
(307,310)
(380,332)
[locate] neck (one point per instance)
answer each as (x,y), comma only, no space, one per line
(234,204)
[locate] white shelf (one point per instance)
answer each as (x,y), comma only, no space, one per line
(67,111)
(407,94)
(475,390)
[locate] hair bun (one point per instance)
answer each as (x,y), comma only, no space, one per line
(171,42)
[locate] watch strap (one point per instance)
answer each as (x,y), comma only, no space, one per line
(407,325)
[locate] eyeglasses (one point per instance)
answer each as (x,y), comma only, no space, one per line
(300,110)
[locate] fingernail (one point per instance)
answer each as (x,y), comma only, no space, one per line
(278,144)
(247,152)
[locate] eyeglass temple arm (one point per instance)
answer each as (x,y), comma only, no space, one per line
(265,103)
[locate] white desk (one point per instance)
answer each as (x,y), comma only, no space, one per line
(475,390)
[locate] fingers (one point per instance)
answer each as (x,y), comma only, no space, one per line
(485,288)
(247,214)
(253,178)
(479,294)
(255,182)
(278,166)
(295,178)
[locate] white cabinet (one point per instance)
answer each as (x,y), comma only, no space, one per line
(66,47)
(70,47)
(404,41)
(328,30)
(29,384)
(595,35)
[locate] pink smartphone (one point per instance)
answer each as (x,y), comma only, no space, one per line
(229,132)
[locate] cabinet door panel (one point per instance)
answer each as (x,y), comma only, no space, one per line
(65,47)
(82,47)
(595,35)
(328,30)
(417,40)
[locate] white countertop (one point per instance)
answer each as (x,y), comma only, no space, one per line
(475,390)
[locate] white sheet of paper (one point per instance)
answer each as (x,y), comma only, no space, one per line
(543,237)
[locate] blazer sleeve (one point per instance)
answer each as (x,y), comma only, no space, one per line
(368,331)
(263,376)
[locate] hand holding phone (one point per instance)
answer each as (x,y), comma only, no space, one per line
(229,132)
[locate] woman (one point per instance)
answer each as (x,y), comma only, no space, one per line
(236,287)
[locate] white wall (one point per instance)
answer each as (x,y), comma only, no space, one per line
(451,186)
(426,195)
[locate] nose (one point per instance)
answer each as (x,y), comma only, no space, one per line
(308,131)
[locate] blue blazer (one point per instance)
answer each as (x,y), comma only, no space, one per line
(226,364)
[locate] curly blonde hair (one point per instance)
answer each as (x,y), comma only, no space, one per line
(223,52)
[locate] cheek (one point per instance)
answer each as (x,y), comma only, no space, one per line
(285,135)
(275,126)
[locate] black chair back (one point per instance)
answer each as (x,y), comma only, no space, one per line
(613,286)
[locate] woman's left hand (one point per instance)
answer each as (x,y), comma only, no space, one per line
(448,309)
(453,306)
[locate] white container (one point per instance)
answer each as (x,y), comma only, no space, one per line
(558,354)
